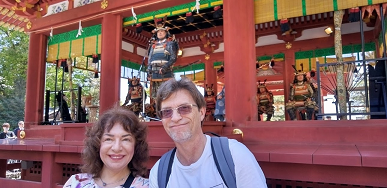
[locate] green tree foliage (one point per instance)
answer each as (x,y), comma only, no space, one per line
(13,67)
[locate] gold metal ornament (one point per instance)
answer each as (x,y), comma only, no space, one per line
(104,4)
(207,57)
(203,35)
(22,134)
(29,25)
(288,45)
(237,131)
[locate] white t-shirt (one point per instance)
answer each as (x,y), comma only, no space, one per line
(204,174)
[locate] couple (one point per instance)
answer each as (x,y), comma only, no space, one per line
(116,148)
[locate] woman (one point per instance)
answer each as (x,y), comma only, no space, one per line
(115,153)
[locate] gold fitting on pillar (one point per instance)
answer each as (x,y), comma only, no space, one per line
(237,131)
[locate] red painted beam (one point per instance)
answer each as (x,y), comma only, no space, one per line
(200,32)
(132,57)
(311,44)
(214,57)
(19,183)
(21,155)
(187,44)
(327,174)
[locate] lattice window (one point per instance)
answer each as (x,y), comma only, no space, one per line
(36,168)
(70,169)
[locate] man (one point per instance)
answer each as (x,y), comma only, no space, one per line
(6,133)
(300,97)
(265,101)
(64,107)
(220,109)
(210,98)
(182,109)
(135,96)
(162,55)
(21,127)
(313,85)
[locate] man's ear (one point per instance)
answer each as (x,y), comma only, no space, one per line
(202,113)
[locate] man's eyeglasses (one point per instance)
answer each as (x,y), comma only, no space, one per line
(182,110)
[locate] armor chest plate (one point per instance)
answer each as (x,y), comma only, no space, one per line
(135,92)
(264,96)
(159,48)
(301,89)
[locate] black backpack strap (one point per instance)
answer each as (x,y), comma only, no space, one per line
(223,160)
(165,167)
(128,181)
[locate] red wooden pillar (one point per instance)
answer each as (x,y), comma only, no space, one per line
(239,61)
(288,75)
(110,61)
(35,80)
(210,73)
(51,171)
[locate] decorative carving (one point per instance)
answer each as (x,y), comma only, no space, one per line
(29,25)
(203,35)
(288,45)
(207,57)
(57,8)
(104,4)
(29,8)
(79,3)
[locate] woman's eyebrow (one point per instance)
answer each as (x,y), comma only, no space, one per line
(126,135)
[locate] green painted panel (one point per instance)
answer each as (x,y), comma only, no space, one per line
(130,64)
(276,56)
(347,49)
(218,63)
(193,67)
(72,35)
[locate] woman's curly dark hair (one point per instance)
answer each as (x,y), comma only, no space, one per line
(92,162)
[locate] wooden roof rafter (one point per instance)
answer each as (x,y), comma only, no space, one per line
(9,19)
(191,39)
(140,39)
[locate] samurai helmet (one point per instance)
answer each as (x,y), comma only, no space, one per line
(209,88)
(262,85)
(160,24)
(299,72)
(134,79)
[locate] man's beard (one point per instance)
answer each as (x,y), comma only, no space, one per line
(180,136)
